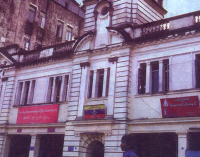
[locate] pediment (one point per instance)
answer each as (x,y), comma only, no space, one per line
(4,60)
(84,42)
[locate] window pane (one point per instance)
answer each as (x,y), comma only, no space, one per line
(166,75)
(58,87)
(91,83)
(66,86)
(100,82)
(27,85)
(141,78)
(155,77)
(59,29)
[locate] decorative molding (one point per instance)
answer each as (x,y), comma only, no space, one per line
(85,64)
(4,79)
(113,59)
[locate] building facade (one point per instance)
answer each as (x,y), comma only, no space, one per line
(130,72)
(34,24)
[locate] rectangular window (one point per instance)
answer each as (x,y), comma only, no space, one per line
(42,19)
(59,29)
(58,88)
(69,33)
(26,44)
(100,80)
(25,92)
(197,69)
(31,14)
(142,78)
(155,77)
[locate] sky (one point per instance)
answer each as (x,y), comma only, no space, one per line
(177,7)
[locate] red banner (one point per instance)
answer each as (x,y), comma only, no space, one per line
(38,114)
(180,107)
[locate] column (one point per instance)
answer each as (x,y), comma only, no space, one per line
(53,90)
(182,143)
(148,78)
(160,75)
(6,148)
(111,91)
(83,88)
(105,82)
(94,85)
(34,146)
(29,92)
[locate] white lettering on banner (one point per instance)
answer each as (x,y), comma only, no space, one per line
(183,104)
(39,111)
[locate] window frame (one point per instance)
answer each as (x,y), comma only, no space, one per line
(69,33)
(99,90)
(31,13)
(143,81)
(25,92)
(42,20)
(58,91)
(59,30)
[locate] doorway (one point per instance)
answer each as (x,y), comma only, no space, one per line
(51,145)
(155,144)
(19,145)
(95,149)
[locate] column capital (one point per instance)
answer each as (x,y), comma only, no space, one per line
(84,64)
(113,59)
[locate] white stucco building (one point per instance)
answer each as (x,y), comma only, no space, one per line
(131,72)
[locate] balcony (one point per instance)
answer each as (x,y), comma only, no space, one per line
(178,25)
(45,54)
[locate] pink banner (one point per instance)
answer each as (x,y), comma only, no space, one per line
(180,107)
(38,114)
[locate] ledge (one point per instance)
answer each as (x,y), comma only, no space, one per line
(164,120)
(93,122)
(34,125)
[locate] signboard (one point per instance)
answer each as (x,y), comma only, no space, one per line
(94,112)
(38,114)
(180,107)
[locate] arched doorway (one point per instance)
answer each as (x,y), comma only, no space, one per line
(95,149)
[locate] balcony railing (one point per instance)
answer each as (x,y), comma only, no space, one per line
(155,27)
(61,50)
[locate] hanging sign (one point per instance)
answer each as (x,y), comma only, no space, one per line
(94,112)
(38,114)
(180,107)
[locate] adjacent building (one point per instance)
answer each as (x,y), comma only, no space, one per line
(33,24)
(131,71)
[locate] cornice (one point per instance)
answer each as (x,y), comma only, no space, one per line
(42,125)
(158,121)
(93,122)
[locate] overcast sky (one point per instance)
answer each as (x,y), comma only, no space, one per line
(177,7)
